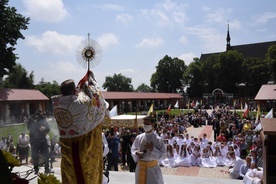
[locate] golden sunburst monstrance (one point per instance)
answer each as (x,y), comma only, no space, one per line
(89,53)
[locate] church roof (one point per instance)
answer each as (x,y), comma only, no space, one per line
(21,95)
(256,50)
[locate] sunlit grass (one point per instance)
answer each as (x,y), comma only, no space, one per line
(16,129)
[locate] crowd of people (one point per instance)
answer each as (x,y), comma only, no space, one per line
(235,144)
(34,143)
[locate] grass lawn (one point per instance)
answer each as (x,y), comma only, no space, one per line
(16,129)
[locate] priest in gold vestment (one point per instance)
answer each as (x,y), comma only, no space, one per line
(79,113)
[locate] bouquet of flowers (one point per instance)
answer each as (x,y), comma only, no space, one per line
(9,161)
(47,179)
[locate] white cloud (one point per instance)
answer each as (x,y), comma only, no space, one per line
(218,15)
(166,14)
(108,40)
(127,71)
(63,66)
(179,17)
(53,42)
(124,18)
(137,77)
(211,39)
(264,18)
(187,57)
(112,7)
(235,25)
(183,40)
(162,18)
(48,10)
(64,69)
(156,42)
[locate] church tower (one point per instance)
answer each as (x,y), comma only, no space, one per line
(228,46)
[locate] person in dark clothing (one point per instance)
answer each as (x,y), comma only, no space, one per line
(216,128)
(131,163)
(39,127)
(113,155)
(125,139)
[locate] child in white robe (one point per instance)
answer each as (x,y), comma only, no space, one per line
(184,157)
(196,156)
(168,162)
(206,159)
(218,156)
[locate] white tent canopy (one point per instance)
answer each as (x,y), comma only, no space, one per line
(128,121)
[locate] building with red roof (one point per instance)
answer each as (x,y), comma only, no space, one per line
(141,101)
(15,104)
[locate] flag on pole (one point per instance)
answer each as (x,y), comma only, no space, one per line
(113,111)
(245,110)
(193,104)
(241,106)
(258,127)
(258,114)
(268,115)
(169,109)
(176,105)
(150,110)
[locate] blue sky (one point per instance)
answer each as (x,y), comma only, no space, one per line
(134,35)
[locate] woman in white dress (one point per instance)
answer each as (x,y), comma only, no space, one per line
(184,157)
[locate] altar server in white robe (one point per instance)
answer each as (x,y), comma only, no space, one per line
(147,149)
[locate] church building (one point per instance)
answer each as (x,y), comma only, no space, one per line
(254,50)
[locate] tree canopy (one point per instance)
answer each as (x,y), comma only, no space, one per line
(47,88)
(271,59)
(168,77)
(143,88)
(19,78)
(256,73)
(193,78)
(117,82)
(11,24)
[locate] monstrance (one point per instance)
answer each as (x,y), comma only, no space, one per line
(89,53)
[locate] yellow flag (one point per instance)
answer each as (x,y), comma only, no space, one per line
(150,110)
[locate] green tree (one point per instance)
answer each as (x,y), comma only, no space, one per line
(271,59)
(143,88)
(169,75)
(256,73)
(47,88)
(117,82)
(11,23)
(229,72)
(210,69)
(193,78)
(19,78)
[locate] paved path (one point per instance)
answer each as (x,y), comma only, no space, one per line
(128,178)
